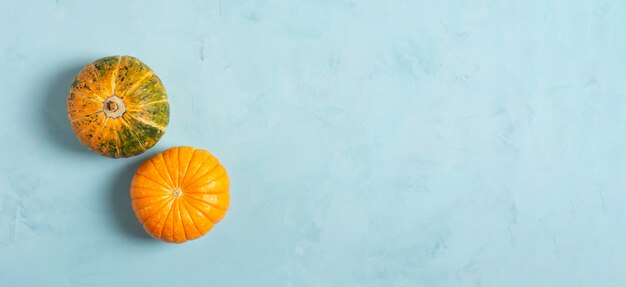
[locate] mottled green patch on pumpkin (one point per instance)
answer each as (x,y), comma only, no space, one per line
(148,90)
(160,113)
(105,65)
(147,134)
(129,143)
(130,72)
(108,148)
(157,114)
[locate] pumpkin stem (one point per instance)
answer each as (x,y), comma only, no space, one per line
(114,107)
(177,192)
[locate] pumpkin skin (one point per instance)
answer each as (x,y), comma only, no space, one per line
(118,107)
(180,194)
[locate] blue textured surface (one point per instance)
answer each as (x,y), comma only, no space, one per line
(369,143)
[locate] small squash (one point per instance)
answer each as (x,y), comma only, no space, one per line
(118,107)
(180,194)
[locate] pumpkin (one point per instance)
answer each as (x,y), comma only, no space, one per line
(118,107)
(180,194)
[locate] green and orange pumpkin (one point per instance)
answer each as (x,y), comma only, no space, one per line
(117,107)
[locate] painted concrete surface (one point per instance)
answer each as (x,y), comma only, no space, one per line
(369,143)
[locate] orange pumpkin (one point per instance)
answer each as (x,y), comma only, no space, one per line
(180,194)
(118,107)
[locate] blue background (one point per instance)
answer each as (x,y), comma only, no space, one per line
(369,143)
